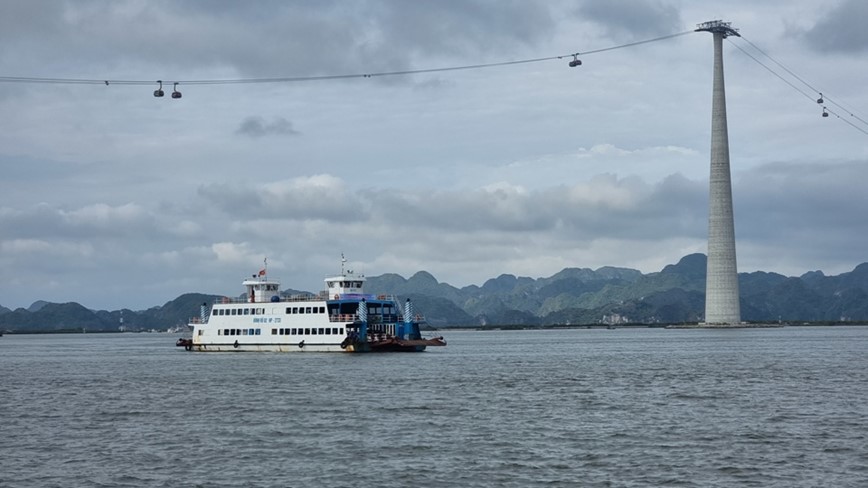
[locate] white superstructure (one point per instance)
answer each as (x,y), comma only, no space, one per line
(342,318)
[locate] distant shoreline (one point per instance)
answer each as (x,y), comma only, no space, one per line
(748,325)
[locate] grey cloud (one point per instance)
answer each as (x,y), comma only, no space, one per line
(263,38)
(809,201)
(674,207)
(465,26)
(811,214)
(21,168)
(633,19)
(299,202)
(482,168)
(790,203)
(258,127)
(91,222)
(842,29)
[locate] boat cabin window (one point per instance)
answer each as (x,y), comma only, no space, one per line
(296,310)
(348,308)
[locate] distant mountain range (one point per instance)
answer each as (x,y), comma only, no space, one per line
(574,296)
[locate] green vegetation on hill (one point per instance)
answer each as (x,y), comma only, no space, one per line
(573,296)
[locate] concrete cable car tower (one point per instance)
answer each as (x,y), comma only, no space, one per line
(721,285)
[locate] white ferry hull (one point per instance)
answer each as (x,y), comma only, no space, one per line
(341,319)
(268,348)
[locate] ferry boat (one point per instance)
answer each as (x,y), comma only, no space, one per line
(342,318)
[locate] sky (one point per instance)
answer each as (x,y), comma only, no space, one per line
(113,198)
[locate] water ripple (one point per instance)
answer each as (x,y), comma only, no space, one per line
(641,407)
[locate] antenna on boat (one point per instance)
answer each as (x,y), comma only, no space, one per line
(343,262)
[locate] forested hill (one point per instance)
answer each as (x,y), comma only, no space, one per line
(575,296)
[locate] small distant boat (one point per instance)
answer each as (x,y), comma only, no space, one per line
(342,318)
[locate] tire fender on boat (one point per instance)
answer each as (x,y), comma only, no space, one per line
(235,345)
(188,347)
(301,345)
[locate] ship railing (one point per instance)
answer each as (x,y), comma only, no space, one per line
(343,317)
(373,318)
(359,296)
(307,298)
(296,298)
(195,320)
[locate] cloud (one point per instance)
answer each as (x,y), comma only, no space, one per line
(318,197)
(262,39)
(256,127)
(90,221)
(842,29)
(606,206)
(234,253)
(792,200)
(463,236)
(633,19)
(464,26)
(522,169)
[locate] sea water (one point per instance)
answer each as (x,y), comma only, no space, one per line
(582,407)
